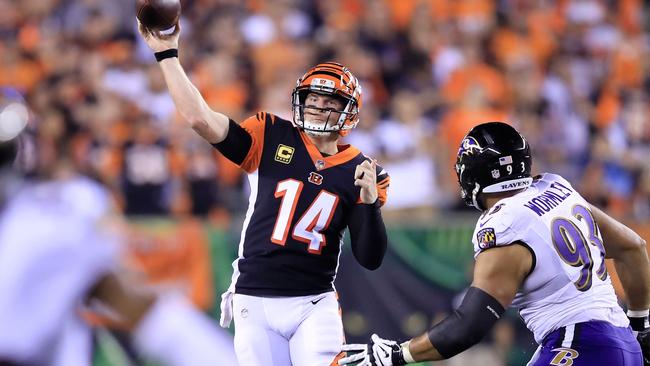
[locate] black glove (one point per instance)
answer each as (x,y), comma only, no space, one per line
(640,325)
(379,352)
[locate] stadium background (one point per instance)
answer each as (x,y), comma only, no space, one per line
(572,75)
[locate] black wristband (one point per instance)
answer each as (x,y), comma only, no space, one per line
(172,52)
(638,323)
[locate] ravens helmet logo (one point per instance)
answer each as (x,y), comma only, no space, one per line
(469,146)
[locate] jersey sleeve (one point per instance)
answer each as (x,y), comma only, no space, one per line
(236,144)
(495,229)
(368,235)
(255,126)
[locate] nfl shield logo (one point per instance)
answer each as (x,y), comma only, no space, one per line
(495,173)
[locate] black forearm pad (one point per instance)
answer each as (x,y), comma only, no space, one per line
(368,235)
(237,143)
(467,325)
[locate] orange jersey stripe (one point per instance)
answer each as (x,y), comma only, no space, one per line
(255,127)
(345,154)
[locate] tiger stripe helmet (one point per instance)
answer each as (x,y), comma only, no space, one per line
(328,78)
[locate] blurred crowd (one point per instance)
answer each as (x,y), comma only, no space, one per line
(571,74)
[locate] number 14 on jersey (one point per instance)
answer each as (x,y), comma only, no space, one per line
(315,219)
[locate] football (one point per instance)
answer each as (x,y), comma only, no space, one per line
(158,15)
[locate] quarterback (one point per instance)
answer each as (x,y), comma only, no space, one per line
(306,188)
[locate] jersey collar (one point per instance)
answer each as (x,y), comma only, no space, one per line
(345,154)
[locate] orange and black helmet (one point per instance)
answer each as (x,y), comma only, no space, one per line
(329,78)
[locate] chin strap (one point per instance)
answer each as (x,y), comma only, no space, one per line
(317,133)
(475,201)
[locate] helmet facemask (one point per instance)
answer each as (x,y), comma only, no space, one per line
(332,123)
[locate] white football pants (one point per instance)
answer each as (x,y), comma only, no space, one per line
(287,331)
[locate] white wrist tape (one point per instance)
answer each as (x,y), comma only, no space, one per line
(406,352)
(638,313)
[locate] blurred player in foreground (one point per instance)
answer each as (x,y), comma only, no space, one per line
(58,252)
(540,246)
(305,190)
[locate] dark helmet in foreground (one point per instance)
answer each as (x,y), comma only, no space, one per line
(493,157)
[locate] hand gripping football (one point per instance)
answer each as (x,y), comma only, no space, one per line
(158,15)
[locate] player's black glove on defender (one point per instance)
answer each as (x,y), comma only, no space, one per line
(640,325)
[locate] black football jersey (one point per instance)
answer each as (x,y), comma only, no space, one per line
(298,210)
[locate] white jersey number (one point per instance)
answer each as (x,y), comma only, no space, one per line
(315,219)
